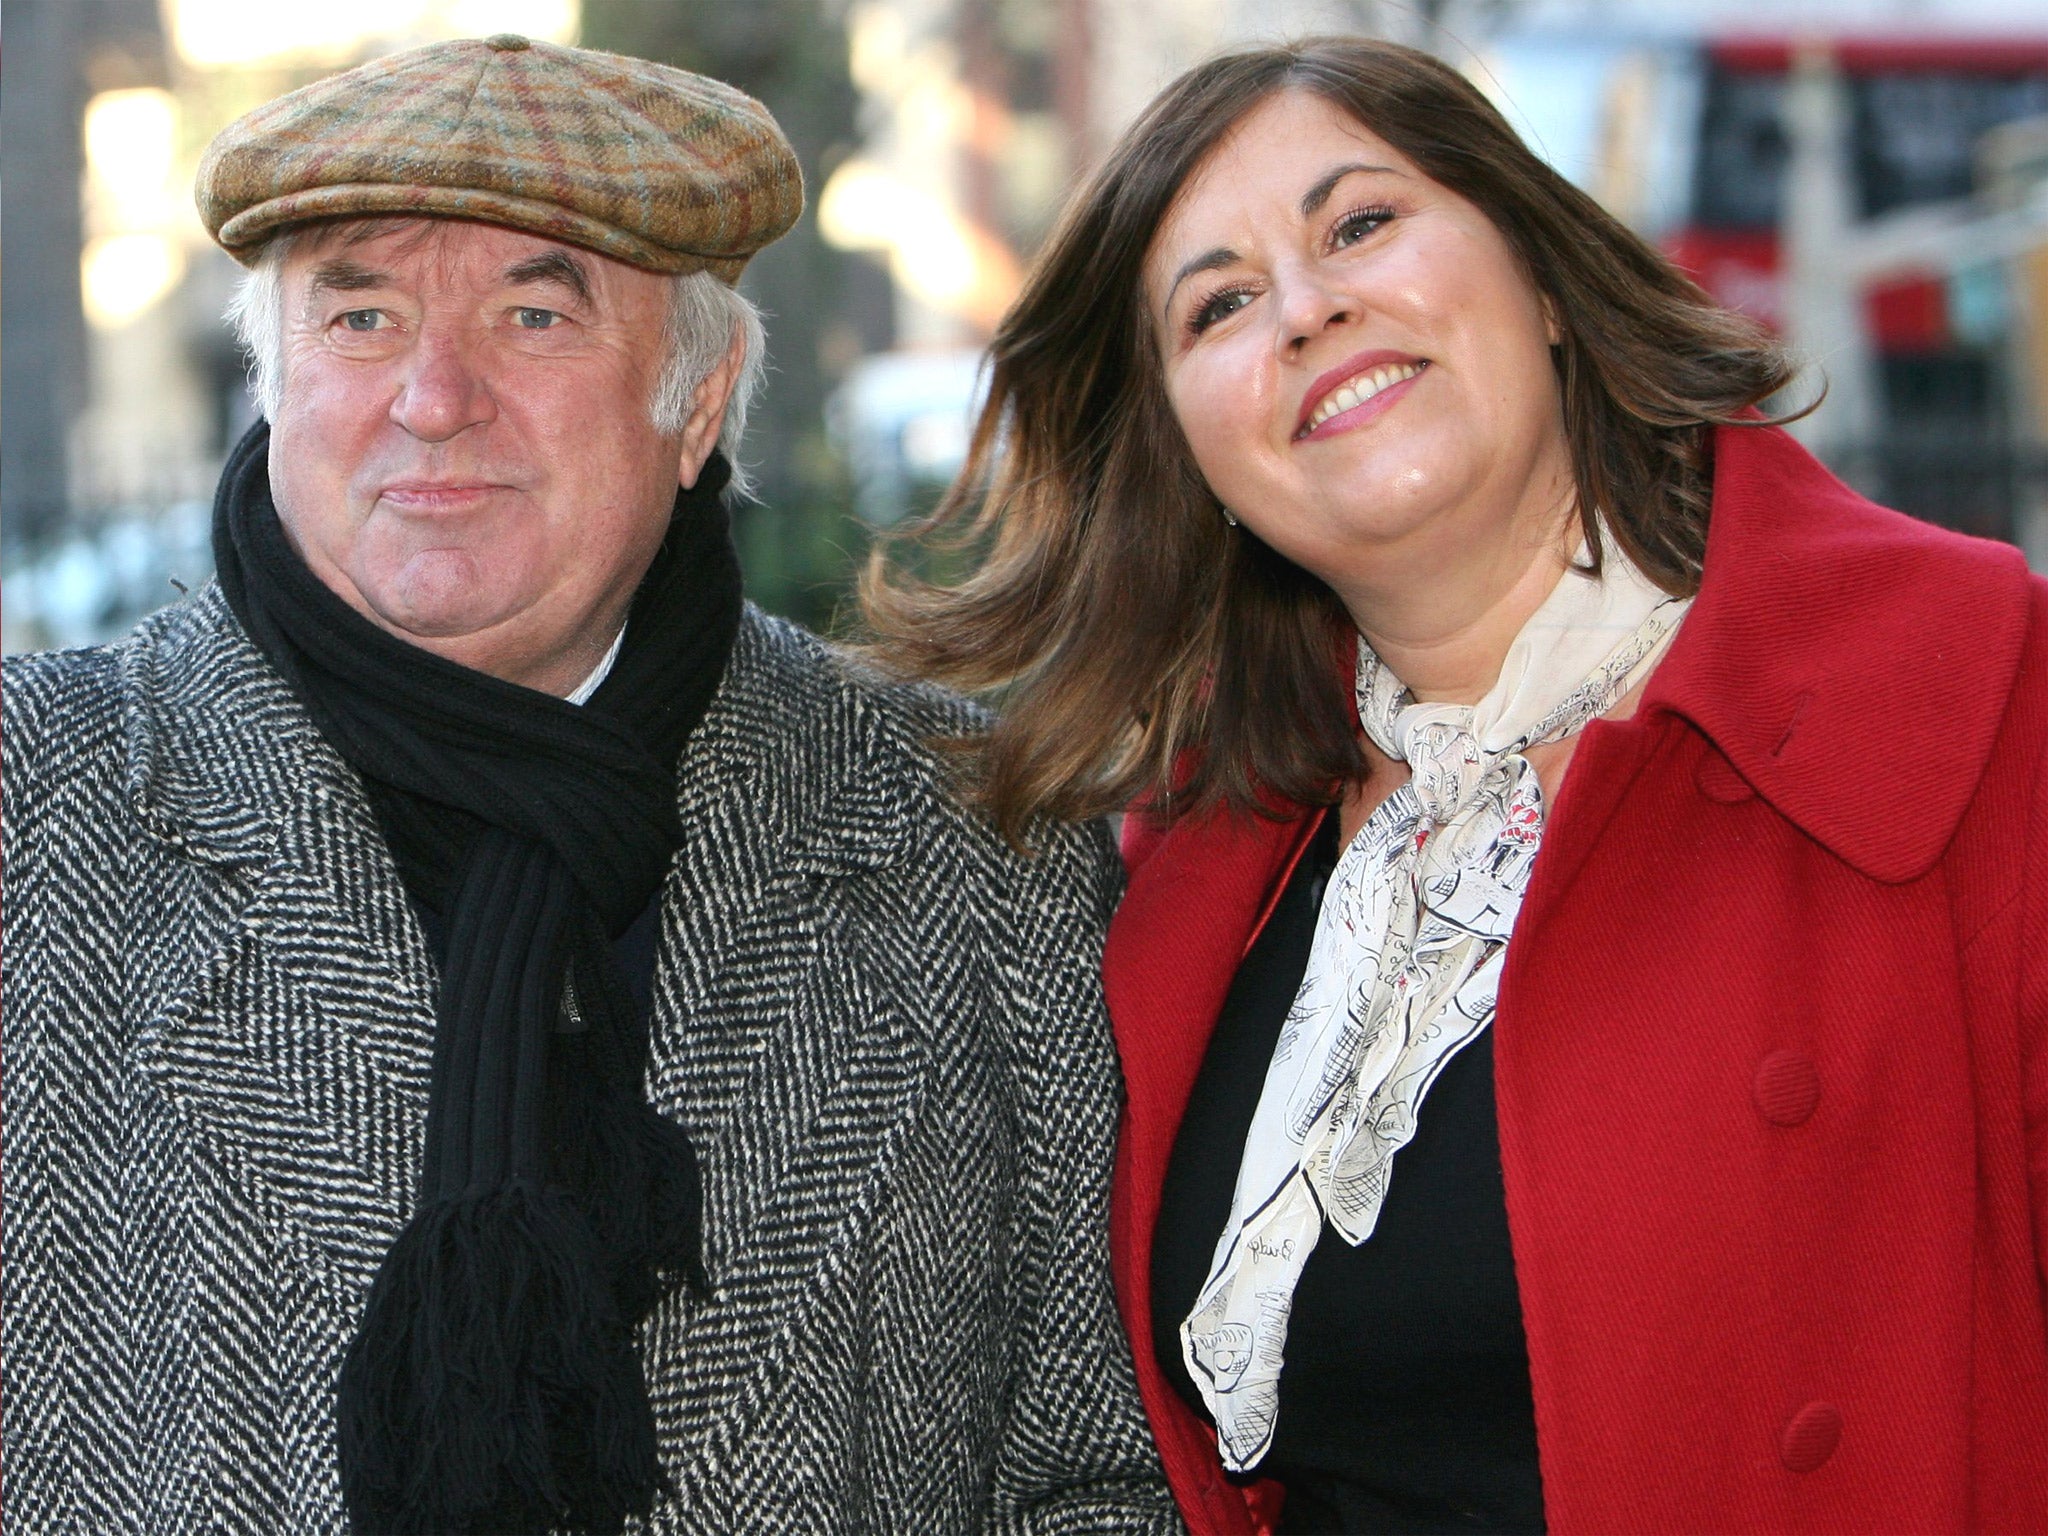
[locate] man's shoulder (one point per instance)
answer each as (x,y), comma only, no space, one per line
(806,700)
(183,696)
(71,686)
(39,685)
(805,668)
(58,710)
(878,741)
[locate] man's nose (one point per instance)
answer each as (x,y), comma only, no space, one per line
(443,392)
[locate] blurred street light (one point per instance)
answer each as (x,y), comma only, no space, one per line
(940,257)
(134,204)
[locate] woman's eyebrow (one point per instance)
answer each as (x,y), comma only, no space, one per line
(1311,200)
(1208,261)
(1319,194)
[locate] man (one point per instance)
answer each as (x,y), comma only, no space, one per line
(500,1036)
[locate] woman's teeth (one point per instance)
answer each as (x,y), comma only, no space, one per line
(1359,390)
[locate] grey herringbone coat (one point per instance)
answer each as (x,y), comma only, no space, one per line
(882,1029)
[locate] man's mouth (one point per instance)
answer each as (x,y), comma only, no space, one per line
(436,495)
(1360,381)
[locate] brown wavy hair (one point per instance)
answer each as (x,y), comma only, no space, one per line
(1139,647)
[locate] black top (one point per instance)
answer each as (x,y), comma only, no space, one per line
(1404,1402)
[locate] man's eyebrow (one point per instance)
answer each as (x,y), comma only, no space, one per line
(344,276)
(1319,194)
(1208,261)
(552,267)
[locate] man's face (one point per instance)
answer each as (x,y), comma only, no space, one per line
(463,450)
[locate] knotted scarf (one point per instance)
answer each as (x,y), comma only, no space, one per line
(493,1385)
(1403,967)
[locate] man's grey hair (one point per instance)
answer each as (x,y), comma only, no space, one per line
(703,315)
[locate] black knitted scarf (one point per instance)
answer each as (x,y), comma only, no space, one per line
(493,1385)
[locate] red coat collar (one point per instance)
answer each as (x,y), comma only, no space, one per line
(1848,661)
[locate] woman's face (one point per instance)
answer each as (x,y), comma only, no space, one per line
(1360,363)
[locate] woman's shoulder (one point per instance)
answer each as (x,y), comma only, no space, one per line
(1856,666)
(1813,592)
(1786,528)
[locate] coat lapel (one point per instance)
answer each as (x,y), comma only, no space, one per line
(292,1030)
(791,1038)
(1174,947)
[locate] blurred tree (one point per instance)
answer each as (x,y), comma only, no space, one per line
(800,542)
(58,53)
(40,229)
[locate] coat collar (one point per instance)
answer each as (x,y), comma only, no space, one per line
(224,763)
(1851,663)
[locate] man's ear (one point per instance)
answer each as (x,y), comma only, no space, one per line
(707,411)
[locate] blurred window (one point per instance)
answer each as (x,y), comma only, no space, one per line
(1914,138)
(1916,134)
(1742,151)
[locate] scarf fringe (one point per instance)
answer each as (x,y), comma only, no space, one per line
(494,1387)
(632,1171)
(654,1238)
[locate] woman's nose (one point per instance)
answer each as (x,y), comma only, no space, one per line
(1308,306)
(443,392)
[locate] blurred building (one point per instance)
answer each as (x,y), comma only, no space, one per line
(58,58)
(1868,178)
(1868,194)
(1889,238)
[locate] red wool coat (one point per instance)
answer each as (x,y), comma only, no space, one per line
(1771,1054)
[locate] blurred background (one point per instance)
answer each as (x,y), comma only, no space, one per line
(1869,178)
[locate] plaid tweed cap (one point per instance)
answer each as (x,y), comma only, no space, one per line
(660,168)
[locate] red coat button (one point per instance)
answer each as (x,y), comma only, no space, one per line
(1810,1437)
(1719,782)
(1787,1088)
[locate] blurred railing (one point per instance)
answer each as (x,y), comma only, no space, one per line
(122,563)
(1990,489)
(109,570)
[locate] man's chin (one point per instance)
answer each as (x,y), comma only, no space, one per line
(439,596)
(438,629)
(454,624)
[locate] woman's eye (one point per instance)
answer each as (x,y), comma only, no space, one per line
(1354,227)
(536,319)
(1217,306)
(363,319)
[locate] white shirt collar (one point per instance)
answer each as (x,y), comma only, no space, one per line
(583,690)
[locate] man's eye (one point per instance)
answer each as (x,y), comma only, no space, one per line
(536,319)
(363,319)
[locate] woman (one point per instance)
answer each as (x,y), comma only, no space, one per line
(1586,1062)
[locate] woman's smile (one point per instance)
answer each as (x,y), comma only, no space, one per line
(1364,388)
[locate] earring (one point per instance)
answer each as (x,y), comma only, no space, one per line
(1230,517)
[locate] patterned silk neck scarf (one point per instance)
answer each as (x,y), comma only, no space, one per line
(1404,966)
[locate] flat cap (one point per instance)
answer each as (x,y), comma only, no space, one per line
(660,168)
